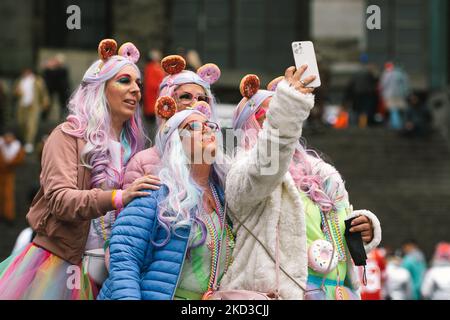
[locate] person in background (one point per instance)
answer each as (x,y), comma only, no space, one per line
(398,284)
(193,61)
(436,283)
(2,104)
(417,116)
(153,75)
(414,261)
(375,272)
(32,99)
(361,94)
(56,76)
(12,155)
(394,88)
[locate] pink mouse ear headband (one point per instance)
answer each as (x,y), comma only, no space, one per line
(250,89)
(250,85)
(108,48)
(166,107)
(174,65)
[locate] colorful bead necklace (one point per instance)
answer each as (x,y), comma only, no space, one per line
(216,242)
(333,219)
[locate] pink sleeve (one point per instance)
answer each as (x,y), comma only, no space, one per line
(59,180)
(144,162)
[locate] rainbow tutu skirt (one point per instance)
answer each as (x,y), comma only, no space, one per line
(36,274)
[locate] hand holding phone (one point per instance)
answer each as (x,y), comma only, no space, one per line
(304,55)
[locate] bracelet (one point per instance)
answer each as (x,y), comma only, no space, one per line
(118,201)
(113,195)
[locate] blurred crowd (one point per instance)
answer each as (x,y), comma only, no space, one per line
(404,274)
(386,98)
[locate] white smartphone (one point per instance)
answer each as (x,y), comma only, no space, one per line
(304,54)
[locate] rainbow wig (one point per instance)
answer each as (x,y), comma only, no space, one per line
(90,120)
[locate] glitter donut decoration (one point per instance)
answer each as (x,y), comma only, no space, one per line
(165,107)
(129,50)
(249,85)
(272,86)
(107,48)
(173,64)
(203,107)
(209,72)
(320,253)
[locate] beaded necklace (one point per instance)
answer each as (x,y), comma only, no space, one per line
(215,244)
(334,221)
(113,183)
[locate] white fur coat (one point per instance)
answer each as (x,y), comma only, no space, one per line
(261,199)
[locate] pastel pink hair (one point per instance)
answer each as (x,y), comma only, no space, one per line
(90,120)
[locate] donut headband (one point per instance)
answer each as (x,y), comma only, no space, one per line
(107,50)
(170,126)
(174,65)
(166,107)
(253,97)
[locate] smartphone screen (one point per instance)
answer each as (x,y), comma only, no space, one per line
(304,54)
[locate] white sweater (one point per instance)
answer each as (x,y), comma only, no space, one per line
(261,201)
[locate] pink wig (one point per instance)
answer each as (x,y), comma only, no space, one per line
(90,120)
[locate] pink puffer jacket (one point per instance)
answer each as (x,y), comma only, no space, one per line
(145,162)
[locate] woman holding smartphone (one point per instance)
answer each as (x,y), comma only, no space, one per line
(288,206)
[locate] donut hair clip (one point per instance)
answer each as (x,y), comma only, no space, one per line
(108,48)
(165,107)
(272,86)
(209,73)
(203,107)
(173,64)
(249,85)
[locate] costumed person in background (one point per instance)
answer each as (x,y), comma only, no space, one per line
(436,282)
(176,243)
(287,205)
(187,88)
(12,155)
(82,170)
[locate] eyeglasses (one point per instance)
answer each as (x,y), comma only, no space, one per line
(187,98)
(198,126)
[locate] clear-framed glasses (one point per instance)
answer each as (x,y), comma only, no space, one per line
(198,126)
(187,98)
